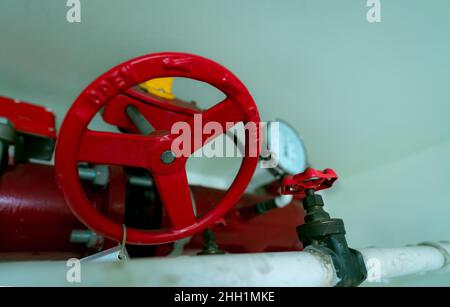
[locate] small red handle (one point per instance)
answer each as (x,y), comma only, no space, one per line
(309,179)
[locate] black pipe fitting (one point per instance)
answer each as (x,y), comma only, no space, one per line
(328,235)
(210,246)
(4,156)
(265,206)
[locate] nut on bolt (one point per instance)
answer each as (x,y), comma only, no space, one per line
(167,157)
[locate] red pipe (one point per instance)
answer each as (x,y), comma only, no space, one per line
(34,217)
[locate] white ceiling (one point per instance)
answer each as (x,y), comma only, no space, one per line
(360,94)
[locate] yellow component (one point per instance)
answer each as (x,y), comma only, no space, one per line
(161,87)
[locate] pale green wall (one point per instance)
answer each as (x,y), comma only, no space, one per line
(371,100)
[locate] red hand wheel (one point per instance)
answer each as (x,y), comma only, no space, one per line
(76,143)
(309,179)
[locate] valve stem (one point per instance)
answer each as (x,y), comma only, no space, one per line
(141,123)
(210,246)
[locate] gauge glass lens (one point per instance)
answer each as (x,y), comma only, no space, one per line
(287,146)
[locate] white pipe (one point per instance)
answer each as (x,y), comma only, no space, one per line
(309,268)
(384,263)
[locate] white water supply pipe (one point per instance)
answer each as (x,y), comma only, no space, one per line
(307,268)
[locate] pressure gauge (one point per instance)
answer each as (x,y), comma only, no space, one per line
(286,148)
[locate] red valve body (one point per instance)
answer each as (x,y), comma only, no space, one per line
(36,223)
(28,118)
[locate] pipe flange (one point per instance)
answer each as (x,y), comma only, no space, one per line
(325,257)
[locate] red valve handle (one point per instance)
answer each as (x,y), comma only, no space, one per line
(309,179)
(76,143)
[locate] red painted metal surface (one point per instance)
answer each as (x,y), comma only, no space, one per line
(309,179)
(275,230)
(161,113)
(28,118)
(76,143)
(35,221)
(34,217)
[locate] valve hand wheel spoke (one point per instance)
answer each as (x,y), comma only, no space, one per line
(116,148)
(178,204)
(226,113)
(153,152)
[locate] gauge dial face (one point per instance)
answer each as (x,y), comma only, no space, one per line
(287,147)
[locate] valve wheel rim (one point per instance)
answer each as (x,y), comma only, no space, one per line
(77,143)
